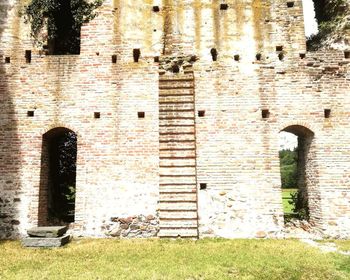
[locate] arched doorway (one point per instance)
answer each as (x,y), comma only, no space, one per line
(301,173)
(58,177)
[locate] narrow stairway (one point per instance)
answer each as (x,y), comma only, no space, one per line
(177,156)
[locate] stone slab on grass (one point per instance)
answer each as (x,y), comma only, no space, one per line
(45,242)
(47,232)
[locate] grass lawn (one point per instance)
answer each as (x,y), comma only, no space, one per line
(180,259)
(286,197)
(343,245)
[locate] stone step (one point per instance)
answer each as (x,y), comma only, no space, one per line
(176,106)
(177,205)
(176,114)
(45,242)
(179,129)
(180,84)
(177,78)
(177,145)
(177,170)
(176,122)
(177,152)
(176,215)
(180,223)
(175,91)
(178,232)
(177,179)
(178,196)
(176,161)
(176,98)
(177,188)
(176,136)
(47,232)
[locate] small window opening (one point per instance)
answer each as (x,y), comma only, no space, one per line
(202,186)
(236,57)
(290,4)
(201,113)
(193,58)
(175,68)
(7,59)
(136,54)
(281,56)
(302,55)
(258,56)
(327,113)
(97,115)
(156,59)
(265,113)
(223,7)
(347,54)
(141,115)
(28,56)
(30,113)
(214,54)
(156,9)
(114,58)
(279,48)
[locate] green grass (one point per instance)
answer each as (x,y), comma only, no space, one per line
(286,197)
(180,259)
(343,245)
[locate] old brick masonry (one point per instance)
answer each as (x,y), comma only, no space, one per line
(204,159)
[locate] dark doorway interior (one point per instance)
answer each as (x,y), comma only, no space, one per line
(58,177)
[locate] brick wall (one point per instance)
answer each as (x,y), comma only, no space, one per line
(118,154)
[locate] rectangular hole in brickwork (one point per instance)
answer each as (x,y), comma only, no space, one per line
(7,59)
(97,115)
(114,58)
(302,55)
(141,115)
(203,186)
(30,113)
(258,56)
(28,56)
(223,7)
(156,59)
(347,54)
(265,113)
(281,56)
(279,48)
(156,9)
(201,113)
(290,4)
(236,57)
(327,113)
(136,54)
(214,54)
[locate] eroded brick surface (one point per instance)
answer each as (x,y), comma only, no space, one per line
(236,151)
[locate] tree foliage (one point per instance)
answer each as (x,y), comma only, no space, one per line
(289,169)
(330,15)
(63,19)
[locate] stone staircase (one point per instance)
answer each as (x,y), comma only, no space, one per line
(177,150)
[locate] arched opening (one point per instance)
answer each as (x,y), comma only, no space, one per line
(58,177)
(298,172)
